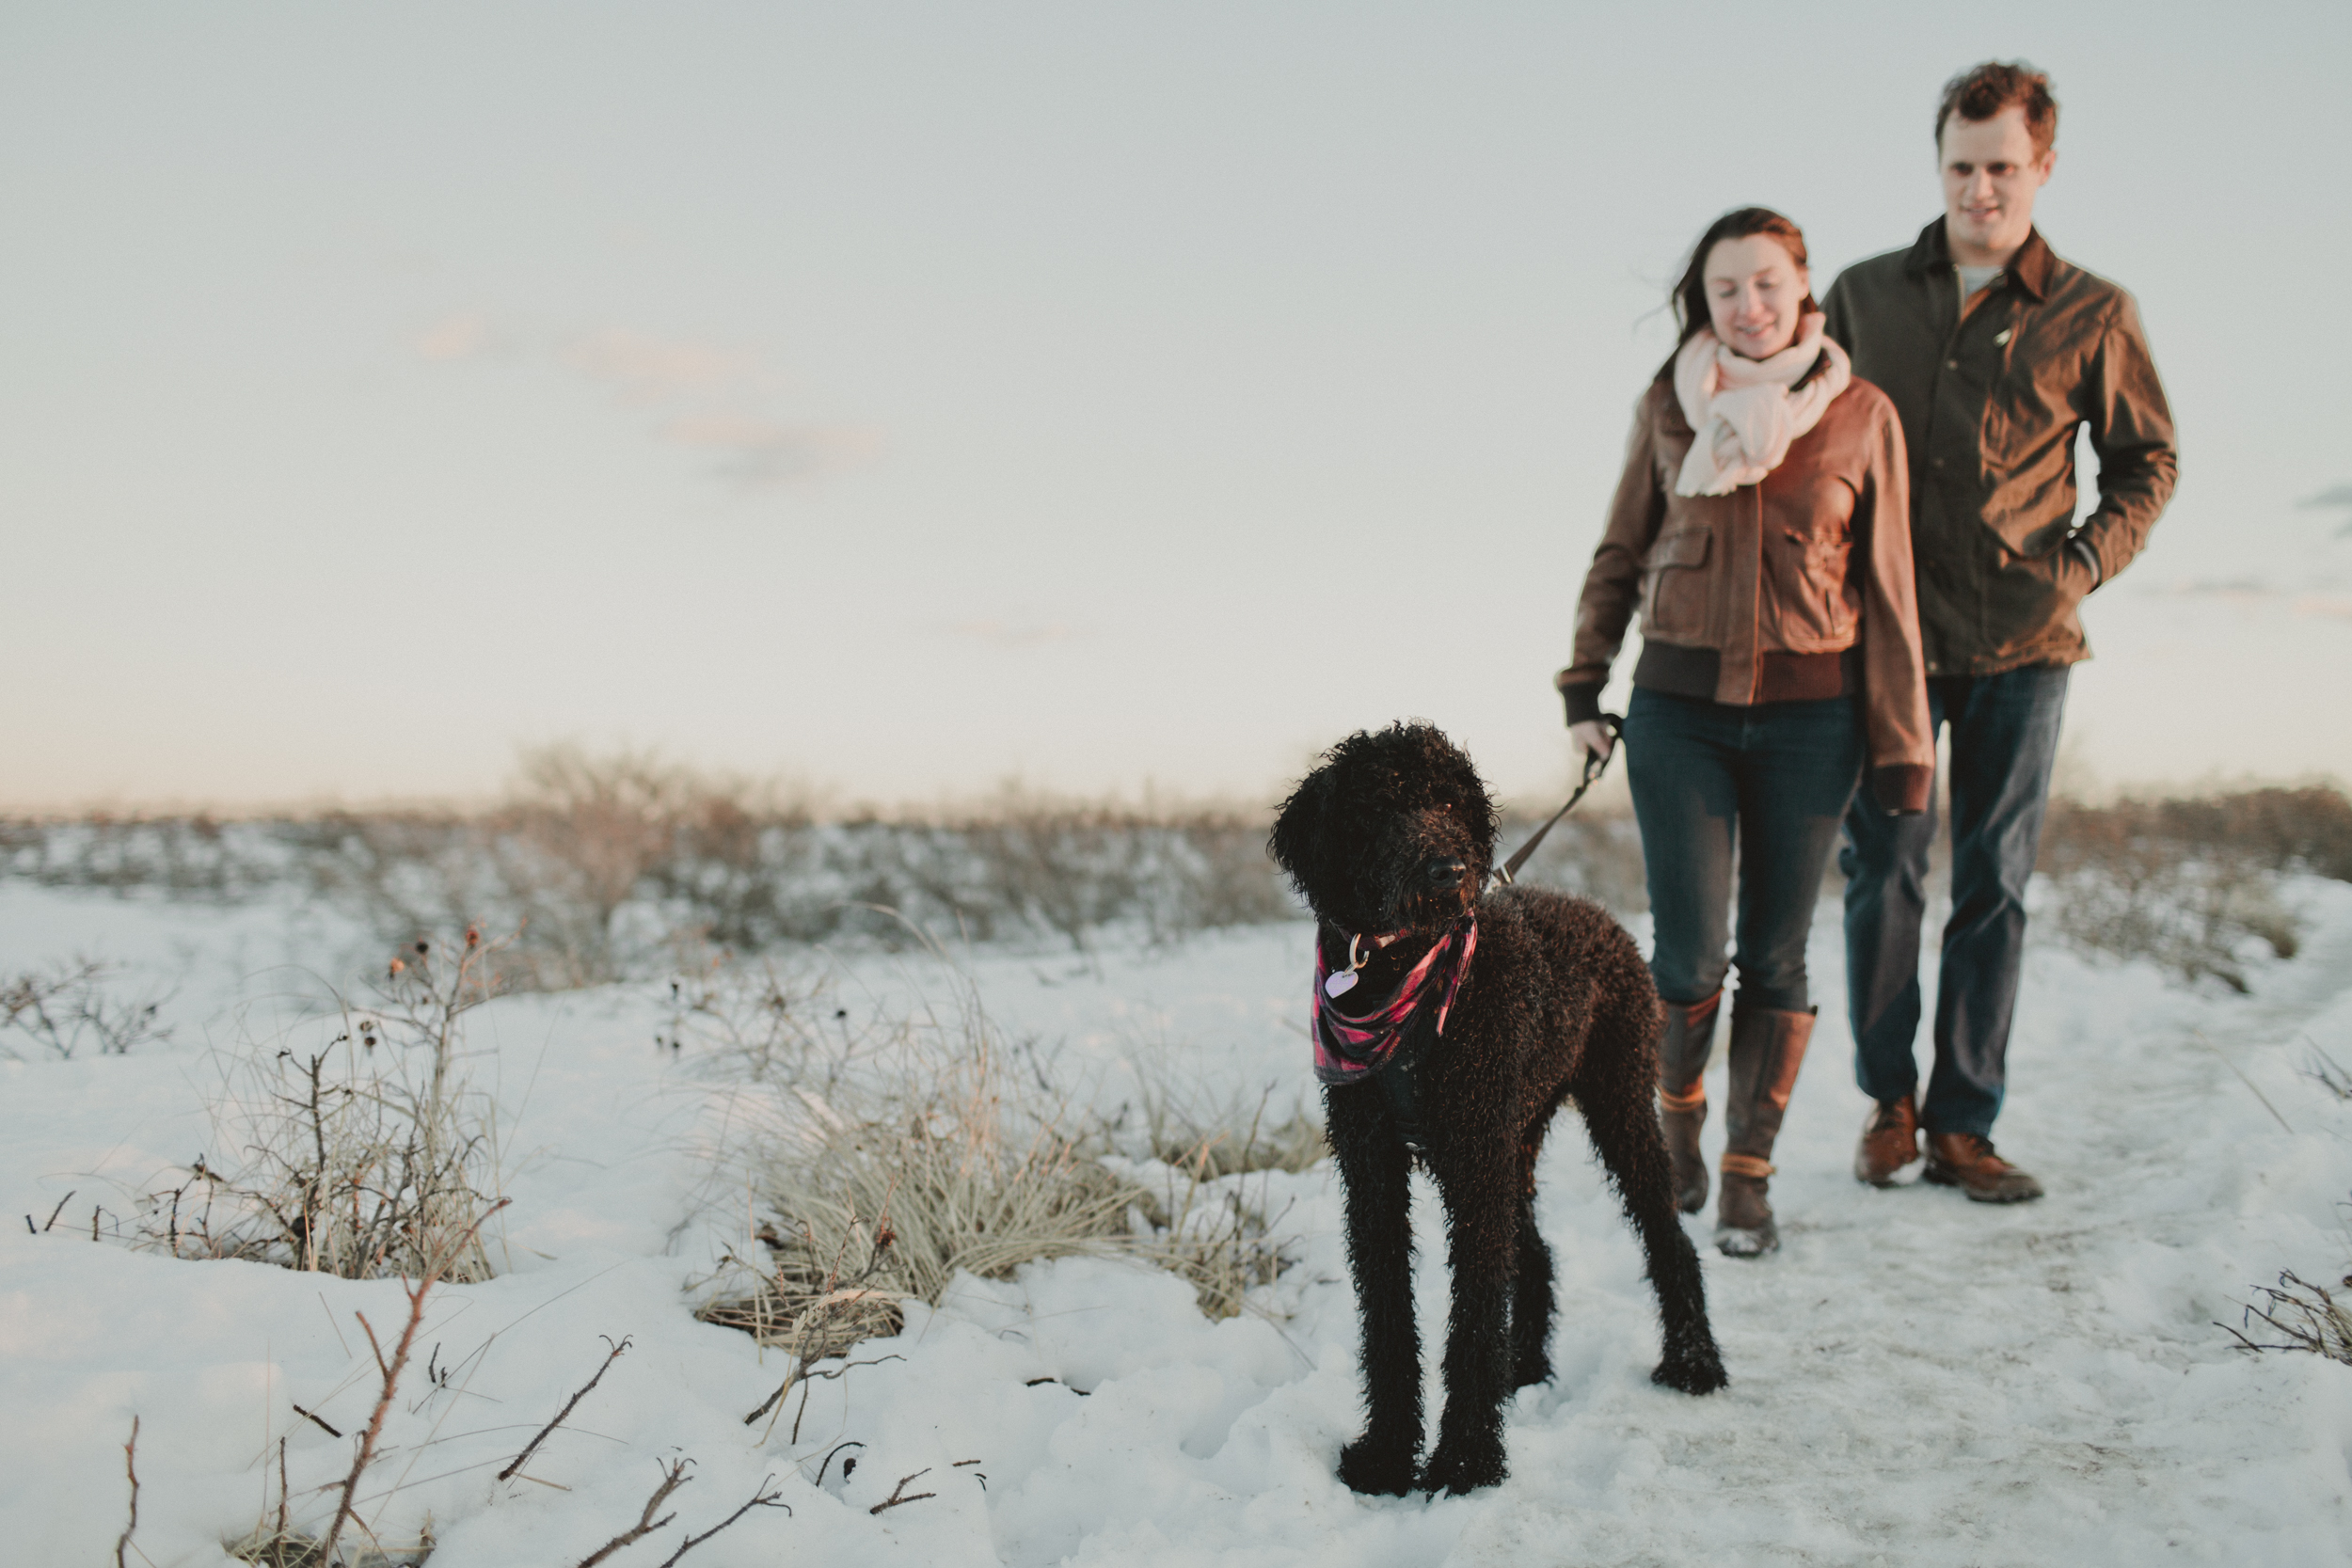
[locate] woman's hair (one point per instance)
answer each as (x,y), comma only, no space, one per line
(1690,295)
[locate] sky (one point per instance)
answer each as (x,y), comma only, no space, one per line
(903,398)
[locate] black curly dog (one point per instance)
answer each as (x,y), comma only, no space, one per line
(1393,832)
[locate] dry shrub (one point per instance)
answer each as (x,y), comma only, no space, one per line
(2191,884)
(2307,1317)
(70,1008)
(768,1022)
(369,1158)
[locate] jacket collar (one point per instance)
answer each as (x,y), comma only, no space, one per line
(2029,272)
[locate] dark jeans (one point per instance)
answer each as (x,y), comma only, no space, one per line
(1772,782)
(2005,731)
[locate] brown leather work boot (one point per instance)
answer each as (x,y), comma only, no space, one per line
(1890,1141)
(1766,1048)
(1683,1048)
(1966,1160)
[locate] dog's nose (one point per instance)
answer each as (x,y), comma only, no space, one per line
(1445,871)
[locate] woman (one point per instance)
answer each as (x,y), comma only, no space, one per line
(1762,526)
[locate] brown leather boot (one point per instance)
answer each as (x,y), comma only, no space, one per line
(1890,1141)
(1682,1051)
(1766,1048)
(1966,1160)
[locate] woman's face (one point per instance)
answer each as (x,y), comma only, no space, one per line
(1755,290)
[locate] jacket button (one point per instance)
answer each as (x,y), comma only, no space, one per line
(1935,462)
(1951,364)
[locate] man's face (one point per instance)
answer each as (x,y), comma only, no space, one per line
(1990,176)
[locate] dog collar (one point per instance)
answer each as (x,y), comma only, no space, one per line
(1342,981)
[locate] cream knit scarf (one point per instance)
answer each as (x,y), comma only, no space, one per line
(1742,409)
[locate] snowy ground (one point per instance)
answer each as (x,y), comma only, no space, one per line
(1914,1379)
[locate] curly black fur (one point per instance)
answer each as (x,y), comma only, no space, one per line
(1394,829)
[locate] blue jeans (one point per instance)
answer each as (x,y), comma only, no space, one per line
(1769,781)
(2005,731)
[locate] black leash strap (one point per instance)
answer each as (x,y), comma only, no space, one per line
(1596,763)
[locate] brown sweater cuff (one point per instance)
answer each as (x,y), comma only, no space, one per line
(1902,789)
(1583,702)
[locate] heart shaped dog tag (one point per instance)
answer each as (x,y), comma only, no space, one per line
(1340,984)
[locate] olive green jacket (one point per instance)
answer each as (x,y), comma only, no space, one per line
(1989,403)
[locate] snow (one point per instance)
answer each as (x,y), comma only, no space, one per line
(1914,1379)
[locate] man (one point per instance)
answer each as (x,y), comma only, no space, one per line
(1994,352)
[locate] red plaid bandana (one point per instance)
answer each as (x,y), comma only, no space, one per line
(1349,1049)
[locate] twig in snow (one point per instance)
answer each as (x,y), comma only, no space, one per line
(393,1369)
(53,1215)
(316,1419)
(898,1493)
(764,1497)
(2325,1070)
(672,1477)
(846,1464)
(130,1465)
(2243,1078)
(533,1446)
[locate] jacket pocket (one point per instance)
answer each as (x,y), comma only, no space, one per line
(1674,587)
(1813,610)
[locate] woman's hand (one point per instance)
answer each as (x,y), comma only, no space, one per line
(1591,736)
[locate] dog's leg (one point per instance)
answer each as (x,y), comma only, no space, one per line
(1375,1174)
(1483,1207)
(1614,1094)
(1532,1303)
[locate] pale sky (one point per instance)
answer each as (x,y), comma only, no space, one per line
(900,397)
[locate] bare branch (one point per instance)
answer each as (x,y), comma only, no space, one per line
(130,1467)
(533,1446)
(672,1477)
(898,1493)
(764,1497)
(417,1294)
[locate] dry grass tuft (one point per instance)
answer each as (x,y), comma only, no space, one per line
(931,1154)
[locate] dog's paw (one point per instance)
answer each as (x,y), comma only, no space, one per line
(1380,1470)
(1459,1467)
(1702,1373)
(1531,1369)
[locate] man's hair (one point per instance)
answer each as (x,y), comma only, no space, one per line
(1688,298)
(1984,91)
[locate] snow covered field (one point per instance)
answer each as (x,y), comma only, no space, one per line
(1914,1379)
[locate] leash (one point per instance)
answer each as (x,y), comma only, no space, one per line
(1596,763)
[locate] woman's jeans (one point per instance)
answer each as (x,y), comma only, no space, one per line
(1771,782)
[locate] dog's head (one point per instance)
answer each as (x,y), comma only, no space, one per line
(1392,830)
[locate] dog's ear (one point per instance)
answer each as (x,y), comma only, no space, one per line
(1298,824)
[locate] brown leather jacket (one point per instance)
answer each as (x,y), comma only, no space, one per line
(1796,587)
(1989,403)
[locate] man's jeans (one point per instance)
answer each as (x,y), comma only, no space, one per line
(1771,781)
(2005,731)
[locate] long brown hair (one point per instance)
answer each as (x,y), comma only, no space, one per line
(1688,298)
